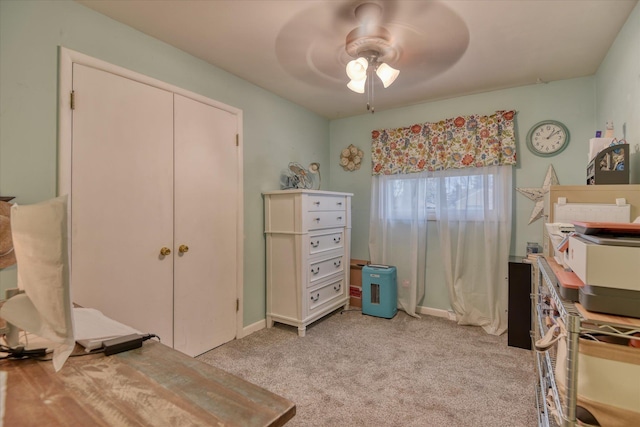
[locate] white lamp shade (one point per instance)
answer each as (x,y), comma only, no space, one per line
(357,85)
(387,74)
(357,69)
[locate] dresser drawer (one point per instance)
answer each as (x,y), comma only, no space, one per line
(325,203)
(327,241)
(323,294)
(325,219)
(326,267)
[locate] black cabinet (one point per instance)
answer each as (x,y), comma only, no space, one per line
(519,316)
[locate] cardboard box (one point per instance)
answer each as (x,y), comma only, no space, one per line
(355,279)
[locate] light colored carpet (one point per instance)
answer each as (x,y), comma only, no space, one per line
(357,370)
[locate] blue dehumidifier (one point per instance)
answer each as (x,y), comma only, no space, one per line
(379,291)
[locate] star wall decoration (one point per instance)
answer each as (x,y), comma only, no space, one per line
(537,194)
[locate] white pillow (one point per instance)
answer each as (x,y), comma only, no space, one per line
(40,243)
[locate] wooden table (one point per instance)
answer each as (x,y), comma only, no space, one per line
(150,386)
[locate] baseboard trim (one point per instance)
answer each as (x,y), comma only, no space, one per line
(254,327)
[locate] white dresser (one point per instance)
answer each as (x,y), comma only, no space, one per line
(308,253)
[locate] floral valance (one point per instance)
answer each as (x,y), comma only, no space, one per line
(456,143)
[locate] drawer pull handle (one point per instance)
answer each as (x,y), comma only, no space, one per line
(315,270)
(316,203)
(337,287)
(316,298)
(339,218)
(337,263)
(339,203)
(316,219)
(337,239)
(315,244)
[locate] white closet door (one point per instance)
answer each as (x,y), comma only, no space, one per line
(122,200)
(206,203)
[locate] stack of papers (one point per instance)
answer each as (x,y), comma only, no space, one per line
(92,328)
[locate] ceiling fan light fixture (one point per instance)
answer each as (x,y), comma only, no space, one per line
(373,47)
(357,69)
(387,74)
(357,85)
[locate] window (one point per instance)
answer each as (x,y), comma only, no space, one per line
(410,196)
(416,195)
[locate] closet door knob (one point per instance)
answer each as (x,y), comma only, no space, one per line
(165,251)
(183,248)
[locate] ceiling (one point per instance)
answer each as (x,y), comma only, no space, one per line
(296,48)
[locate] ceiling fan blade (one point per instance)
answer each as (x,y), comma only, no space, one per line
(429,36)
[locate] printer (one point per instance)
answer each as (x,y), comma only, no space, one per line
(606,258)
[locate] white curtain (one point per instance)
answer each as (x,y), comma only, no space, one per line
(474,225)
(400,207)
(472,208)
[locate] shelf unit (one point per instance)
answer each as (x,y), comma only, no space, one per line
(578,321)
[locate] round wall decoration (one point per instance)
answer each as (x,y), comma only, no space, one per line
(351,158)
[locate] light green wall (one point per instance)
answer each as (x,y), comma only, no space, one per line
(569,101)
(618,89)
(582,104)
(275,131)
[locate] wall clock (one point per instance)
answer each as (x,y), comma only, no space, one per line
(548,138)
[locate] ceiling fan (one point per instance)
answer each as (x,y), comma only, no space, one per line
(419,39)
(372,46)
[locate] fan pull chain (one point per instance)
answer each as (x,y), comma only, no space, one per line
(368,90)
(373,84)
(370,94)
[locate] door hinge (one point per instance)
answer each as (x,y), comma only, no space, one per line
(237,304)
(237,140)
(73,100)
